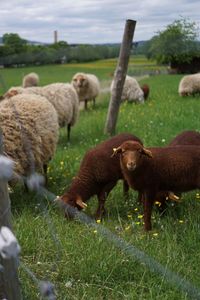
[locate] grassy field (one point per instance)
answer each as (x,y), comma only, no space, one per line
(82,264)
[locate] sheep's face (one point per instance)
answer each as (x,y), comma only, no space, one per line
(79,81)
(131,154)
(145,89)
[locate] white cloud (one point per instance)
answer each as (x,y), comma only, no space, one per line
(91,21)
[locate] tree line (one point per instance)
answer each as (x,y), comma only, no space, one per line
(16,51)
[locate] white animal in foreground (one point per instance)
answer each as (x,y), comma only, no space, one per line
(189,85)
(30,129)
(87,87)
(132,91)
(31,79)
(61,95)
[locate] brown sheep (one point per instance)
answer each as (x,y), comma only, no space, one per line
(188,137)
(150,170)
(98,174)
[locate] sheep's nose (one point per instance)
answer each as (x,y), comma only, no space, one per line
(131,166)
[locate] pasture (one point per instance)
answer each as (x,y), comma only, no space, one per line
(81,263)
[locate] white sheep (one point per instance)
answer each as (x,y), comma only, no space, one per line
(87,87)
(189,85)
(63,97)
(31,79)
(30,129)
(131,92)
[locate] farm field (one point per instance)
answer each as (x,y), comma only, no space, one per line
(79,261)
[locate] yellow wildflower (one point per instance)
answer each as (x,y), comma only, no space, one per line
(140,216)
(136,209)
(95,231)
(129,216)
(158,203)
(127,227)
(98,221)
(155,234)
(181,221)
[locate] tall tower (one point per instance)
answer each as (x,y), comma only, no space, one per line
(55,36)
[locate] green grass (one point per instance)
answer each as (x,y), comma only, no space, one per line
(84,265)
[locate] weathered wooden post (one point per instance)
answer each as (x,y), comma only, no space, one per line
(119,77)
(9,283)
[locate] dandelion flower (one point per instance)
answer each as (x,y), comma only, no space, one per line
(98,221)
(136,209)
(155,234)
(181,221)
(129,216)
(127,227)
(61,163)
(95,231)
(140,216)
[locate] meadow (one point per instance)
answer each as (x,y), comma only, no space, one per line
(81,263)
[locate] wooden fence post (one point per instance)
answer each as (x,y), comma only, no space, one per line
(119,77)
(9,283)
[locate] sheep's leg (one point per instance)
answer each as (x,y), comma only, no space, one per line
(93,102)
(45,167)
(125,188)
(140,198)
(148,200)
(86,103)
(68,132)
(102,198)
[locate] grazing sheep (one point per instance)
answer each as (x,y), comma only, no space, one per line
(131,90)
(31,79)
(188,137)
(63,97)
(87,87)
(189,85)
(29,124)
(146,90)
(151,170)
(98,174)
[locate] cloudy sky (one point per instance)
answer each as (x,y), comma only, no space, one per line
(91,21)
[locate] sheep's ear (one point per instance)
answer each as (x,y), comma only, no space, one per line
(147,152)
(174,197)
(116,151)
(80,203)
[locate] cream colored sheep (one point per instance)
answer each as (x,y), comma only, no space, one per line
(189,85)
(29,124)
(63,97)
(31,79)
(87,87)
(131,92)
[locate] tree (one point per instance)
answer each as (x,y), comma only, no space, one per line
(14,42)
(178,42)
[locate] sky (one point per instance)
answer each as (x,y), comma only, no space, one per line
(91,21)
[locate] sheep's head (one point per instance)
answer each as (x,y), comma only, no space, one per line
(79,81)
(130,154)
(146,90)
(74,201)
